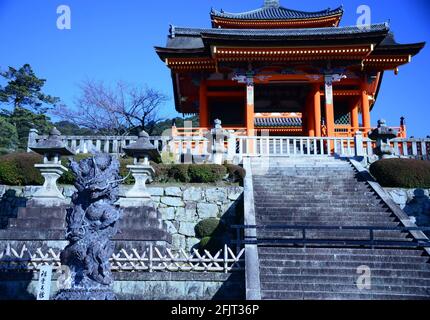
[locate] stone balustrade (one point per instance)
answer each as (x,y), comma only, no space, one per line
(239,146)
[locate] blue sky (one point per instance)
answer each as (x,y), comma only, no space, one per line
(113,40)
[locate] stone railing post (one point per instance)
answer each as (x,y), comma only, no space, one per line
(358,144)
(32,138)
(218,147)
(231,149)
(142,151)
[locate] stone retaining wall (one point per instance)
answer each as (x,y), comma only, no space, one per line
(415,203)
(142,286)
(181,207)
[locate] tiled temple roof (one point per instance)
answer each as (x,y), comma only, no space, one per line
(278,122)
(275,12)
(305,32)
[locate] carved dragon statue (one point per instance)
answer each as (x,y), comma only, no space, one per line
(91,224)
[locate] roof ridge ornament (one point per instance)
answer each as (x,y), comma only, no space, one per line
(271,4)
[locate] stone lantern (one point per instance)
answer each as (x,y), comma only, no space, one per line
(141,151)
(52,149)
(219,136)
(382,135)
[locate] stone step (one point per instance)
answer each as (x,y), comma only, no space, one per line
(37,224)
(32,235)
(340,288)
(335,235)
(344,279)
(344,251)
(293,198)
(307,193)
(317,270)
(38,213)
(262,202)
(313,213)
(140,224)
(328,223)
(343,257)
(314,295)
(308,184)
(321,211)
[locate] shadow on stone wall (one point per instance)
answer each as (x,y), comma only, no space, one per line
(419,208)
(224,234)
(232,289)
(15,285)
(9,206)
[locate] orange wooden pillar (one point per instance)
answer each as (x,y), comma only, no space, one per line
(204,112)
(317,110)
(250,107)
(354,116)
(365,110)
(310,116)
(329,106)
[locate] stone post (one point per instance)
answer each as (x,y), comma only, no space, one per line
(218,137)
(358,144)
(52,149)
(141,151)
(231,150)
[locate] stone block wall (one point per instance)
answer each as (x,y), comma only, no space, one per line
(181,207)
(141,286)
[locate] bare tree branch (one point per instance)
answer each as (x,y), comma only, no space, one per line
(118,110)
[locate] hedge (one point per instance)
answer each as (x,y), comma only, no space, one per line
(402,173)
(205,173)
(18,169)
(212,244)
(209,227)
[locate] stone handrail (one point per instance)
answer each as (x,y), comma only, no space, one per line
(404,147)
(241,146)
(108,144)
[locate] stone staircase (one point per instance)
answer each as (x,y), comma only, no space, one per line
(324,191)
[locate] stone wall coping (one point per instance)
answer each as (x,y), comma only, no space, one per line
(400,214)
(252,262)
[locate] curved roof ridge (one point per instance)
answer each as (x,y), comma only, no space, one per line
(275,13)
(222,12)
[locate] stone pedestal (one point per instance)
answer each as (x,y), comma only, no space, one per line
(138,195)
(49,194)
(218,150)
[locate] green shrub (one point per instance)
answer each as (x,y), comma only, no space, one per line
(209,227)
(206,173)
(402,173)
(168,157)
(212,244)
(124,172)
(18,169)
(179,172)
(161,172)
(235,173)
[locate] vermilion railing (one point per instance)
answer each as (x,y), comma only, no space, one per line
(348,131)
